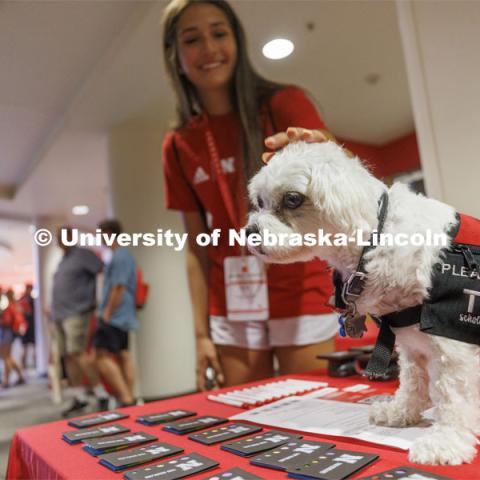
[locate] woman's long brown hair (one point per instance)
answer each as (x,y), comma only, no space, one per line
(248,90)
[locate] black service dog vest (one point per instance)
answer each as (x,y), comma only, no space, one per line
(452,309)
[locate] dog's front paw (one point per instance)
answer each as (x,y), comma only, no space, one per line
(393,414)
(444,446)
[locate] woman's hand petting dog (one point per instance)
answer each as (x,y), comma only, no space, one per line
(296,134)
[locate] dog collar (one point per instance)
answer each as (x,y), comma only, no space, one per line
(355,284)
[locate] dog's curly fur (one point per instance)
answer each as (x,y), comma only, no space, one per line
(341,196)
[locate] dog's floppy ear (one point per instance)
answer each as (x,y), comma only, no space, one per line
(339,189)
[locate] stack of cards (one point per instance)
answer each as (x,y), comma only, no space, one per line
(269,392)
(188,426)
(179,467)
(221,434)
(291,454)
(332,465)
(97,446)
(75,436)
(259,443)
(234,474)
(405,473)
(97,419)
(126,459)
(164,417)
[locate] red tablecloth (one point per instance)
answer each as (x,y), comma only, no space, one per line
(39,452)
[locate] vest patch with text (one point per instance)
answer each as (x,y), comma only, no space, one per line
(453,307)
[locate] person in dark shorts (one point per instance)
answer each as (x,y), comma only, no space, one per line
(73,304)
(117,316)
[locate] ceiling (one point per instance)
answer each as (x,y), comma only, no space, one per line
(73,69)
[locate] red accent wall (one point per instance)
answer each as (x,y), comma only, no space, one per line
(401,155)
(398,156)
(370,154)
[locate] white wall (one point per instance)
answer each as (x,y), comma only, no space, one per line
(441,41)
(46,262)
(164,344)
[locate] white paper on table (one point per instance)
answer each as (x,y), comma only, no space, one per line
(328,417)
(323,392)
(359,387)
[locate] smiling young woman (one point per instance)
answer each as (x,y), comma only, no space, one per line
(225,109)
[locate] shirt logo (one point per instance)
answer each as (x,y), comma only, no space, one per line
(228,164)
(209,220)
(200,176)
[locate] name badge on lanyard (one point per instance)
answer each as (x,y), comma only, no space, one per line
(246,289)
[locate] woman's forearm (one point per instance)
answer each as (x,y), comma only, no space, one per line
(197,282)
(197,273)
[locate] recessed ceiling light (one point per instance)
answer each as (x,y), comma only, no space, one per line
(80,210)
(278,48)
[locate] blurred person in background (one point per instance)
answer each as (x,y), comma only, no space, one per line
(117,316)
(28,309)
(1,330)
(12,323)
(73,305)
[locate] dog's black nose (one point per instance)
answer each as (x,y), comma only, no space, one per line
(252,229)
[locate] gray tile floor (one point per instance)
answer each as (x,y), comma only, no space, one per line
(23,406)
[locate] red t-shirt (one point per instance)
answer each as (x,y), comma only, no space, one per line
(294,289)
(13,319)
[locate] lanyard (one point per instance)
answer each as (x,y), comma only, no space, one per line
(237,215)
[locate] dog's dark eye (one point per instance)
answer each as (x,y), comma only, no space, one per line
(259,202)
(293,200)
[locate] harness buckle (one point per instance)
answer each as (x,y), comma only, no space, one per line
(353,287)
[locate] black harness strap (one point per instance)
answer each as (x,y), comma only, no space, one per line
(382,353)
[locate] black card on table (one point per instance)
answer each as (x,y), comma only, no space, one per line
(291,454)
(332,465)
(187,426)
(226,432)
(164,417)
(376,398)
(234,474)
(97,446)
(76,436)
(178,467)
(259,443)
(405,473)
(121,460)
(97,419)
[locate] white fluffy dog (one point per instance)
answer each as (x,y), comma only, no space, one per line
(307,187)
